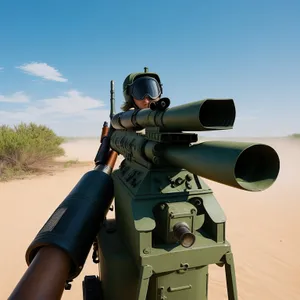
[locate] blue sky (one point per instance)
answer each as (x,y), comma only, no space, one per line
(57,59)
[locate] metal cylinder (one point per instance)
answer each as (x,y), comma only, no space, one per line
(247,166)
(74,224)
(183,234)
(203,115)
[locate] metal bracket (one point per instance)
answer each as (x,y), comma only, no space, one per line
(145,274)
(230,277)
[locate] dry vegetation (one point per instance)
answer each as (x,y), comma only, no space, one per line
(28,149)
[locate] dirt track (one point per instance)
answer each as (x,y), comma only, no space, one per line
(263,228)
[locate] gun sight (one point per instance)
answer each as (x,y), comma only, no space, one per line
(203,115)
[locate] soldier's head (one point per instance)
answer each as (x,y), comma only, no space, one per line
(140,89)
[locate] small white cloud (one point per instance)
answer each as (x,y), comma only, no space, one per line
(69,114)
(42,70)
(18,97)
(1,68)
(72,102)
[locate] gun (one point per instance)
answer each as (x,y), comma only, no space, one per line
(168,226)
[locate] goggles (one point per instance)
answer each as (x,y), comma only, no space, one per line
(145,86)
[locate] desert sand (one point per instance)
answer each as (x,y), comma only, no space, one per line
(263,228)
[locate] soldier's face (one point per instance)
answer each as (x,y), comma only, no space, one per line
(144,103)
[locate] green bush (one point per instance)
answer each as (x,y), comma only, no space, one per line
(296,135)
(27,148)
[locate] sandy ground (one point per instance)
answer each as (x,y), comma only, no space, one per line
(263,228)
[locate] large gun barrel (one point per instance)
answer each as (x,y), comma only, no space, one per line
(247,166)
(209,114)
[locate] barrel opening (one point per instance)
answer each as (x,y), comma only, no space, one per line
(257,167)
(217,113)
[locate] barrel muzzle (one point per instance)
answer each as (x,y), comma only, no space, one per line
(257,167)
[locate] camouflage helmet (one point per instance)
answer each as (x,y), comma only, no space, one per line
(129,80)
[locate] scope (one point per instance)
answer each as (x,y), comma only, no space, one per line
(203,115)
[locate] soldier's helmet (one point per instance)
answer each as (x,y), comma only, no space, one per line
(139,85)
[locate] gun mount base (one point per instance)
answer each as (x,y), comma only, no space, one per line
(141,259)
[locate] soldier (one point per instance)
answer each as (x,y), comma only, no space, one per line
(140,89)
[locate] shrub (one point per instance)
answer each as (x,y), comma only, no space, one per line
(27,148)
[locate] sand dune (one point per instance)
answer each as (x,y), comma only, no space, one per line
(263,228)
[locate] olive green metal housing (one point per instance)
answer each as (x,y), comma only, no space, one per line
(169,226)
